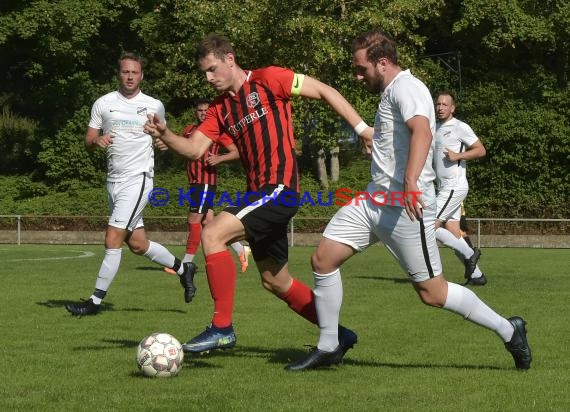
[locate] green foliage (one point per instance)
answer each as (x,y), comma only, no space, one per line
(59,56)
(48,48)
(18,138)
(65,162)
(526,172)
(29,189)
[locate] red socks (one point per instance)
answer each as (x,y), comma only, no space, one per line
(300,298)
(194,235)
(221,272)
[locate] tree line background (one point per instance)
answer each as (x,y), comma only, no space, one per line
(507,61)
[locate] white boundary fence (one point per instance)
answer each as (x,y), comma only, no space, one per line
(555,237)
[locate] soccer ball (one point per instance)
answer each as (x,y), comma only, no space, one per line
(160,355)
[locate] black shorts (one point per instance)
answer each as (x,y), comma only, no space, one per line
(265,215)
(201,197)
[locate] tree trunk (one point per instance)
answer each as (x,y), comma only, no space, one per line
(322,168)
(335,167)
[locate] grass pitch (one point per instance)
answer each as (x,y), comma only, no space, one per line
(409,357)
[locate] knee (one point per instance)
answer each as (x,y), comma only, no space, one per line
(276,286)
(138,248)
(194,218)
(318,263)
(271,286)
(268,285)
(431,299)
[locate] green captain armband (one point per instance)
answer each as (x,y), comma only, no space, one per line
(297,84)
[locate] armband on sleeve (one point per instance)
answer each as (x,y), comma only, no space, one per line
(297,84)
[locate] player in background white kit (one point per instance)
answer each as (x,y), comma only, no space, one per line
(402,150)
(116,125)
(455,144)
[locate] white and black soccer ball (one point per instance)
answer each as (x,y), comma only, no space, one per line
(160,355)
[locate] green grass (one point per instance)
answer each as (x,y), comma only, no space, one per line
(409,357)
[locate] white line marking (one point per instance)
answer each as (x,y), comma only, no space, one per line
(84,254)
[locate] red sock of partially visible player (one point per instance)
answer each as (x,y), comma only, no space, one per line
(193,241)
(300,298)
(221,272)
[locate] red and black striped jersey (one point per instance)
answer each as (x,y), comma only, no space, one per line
(198,171)
(258,120)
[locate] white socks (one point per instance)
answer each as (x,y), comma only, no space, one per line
(459,245)
(108,270)
(187,258)
(328,300)
(159,254)
(237,247)
(464,302)
(449,240)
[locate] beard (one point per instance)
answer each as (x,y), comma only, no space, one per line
(375,85)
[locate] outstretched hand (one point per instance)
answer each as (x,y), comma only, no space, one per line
(155,126)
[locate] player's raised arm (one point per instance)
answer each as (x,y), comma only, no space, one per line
(314,89)
(189,148)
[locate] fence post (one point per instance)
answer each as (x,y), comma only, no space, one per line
(19,218)
(478,233)
(292,232)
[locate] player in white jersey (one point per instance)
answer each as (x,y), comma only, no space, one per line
(455,144)
(402,146)
(116,125)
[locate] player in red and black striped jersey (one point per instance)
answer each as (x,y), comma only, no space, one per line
(199,171)
(254,110)
(258,119)
(202,178)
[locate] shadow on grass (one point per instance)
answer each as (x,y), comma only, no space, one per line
(284,356)
(151,268)
(108,344)
(106,307)
(58,303)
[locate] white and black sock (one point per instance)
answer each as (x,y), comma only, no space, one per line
(107,272)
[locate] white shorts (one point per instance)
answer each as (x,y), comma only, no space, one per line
(449,204)
(127,200)
(362,223)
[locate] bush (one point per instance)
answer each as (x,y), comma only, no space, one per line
(20,143)
(64,160)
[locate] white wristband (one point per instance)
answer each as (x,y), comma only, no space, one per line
(360,127)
